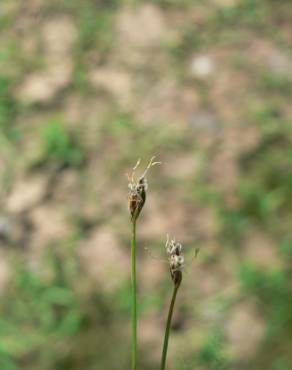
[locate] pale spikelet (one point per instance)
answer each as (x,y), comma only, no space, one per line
(176,260)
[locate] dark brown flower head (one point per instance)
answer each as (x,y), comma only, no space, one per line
(176,260)
(137,193)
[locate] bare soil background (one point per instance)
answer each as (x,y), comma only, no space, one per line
(88,87)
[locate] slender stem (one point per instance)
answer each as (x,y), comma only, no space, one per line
(167,329)
(134,296)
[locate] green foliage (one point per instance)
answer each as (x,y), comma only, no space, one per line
(245,12)
(211,355)
(6,362)
(60,146)
(272,289)
(183,4)
(53,319)
(43,315)
(39,311)
(276,83)
(218,28)
(264,192)
(8,109)
(95,32)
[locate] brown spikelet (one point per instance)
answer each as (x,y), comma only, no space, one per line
(137,193)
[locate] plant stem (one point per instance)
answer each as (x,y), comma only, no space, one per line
(167,329)
(134,296)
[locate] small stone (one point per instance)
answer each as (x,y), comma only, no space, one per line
(202,67)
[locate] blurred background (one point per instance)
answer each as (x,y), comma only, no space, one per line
(86,88)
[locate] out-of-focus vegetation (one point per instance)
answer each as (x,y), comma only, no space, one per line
(86,88)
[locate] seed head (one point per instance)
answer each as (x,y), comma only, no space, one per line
(176,260)
(138,188)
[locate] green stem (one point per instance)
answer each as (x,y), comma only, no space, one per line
(167,329)
(134,296)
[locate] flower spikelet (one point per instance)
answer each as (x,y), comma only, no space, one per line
(138,188)
(176,260)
